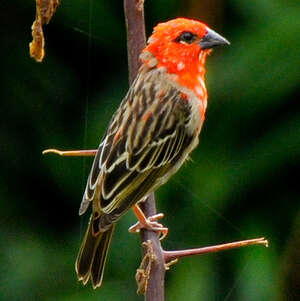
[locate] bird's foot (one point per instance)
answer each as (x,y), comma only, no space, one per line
(149,223)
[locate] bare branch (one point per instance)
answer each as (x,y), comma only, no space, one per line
(136,41)
(71,153)
(136,37)
(171,255)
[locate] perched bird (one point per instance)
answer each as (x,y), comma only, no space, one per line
(149,137)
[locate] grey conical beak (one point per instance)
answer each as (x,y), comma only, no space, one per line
(212,39)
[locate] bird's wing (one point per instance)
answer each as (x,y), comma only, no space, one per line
(145,139)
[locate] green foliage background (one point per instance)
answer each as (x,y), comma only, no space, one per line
(242,181)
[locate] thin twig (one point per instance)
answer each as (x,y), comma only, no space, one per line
(71,153)
(171,255)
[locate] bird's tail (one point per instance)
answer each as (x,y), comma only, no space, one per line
(92,255)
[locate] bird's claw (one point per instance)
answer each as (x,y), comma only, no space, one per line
(150,224)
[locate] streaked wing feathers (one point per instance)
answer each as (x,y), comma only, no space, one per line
(145,138)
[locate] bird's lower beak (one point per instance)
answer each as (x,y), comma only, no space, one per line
(212,39)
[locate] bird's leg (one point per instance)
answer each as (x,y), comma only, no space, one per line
(71,153)
(149,223)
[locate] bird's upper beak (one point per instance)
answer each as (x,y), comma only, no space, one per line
(212,39)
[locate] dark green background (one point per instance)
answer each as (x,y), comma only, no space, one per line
(242,181)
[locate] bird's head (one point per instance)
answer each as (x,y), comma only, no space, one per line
(181,46)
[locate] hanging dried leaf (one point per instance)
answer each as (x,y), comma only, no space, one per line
(44,12)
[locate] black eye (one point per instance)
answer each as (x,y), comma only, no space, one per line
(186,37)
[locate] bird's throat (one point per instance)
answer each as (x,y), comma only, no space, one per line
(194,80)
(187,71)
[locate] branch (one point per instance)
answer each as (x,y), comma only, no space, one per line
(136,41)
(172,255)
(71,153)
(155,288)
(136,37)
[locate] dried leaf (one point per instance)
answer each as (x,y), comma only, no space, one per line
(44,12)
(143,272)
(36,47)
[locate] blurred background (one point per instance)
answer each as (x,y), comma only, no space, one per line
(242,181)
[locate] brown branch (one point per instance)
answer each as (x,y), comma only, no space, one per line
(136,37)
(155,289)
(136,41)
(71,153)
(171,255)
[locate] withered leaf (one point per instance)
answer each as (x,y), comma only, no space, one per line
(44,12)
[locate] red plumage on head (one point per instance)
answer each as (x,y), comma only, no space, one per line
(184,60)
(172,54)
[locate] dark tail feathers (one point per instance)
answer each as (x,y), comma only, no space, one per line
(92,255)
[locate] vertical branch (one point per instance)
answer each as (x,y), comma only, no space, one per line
(136,38)
(136,41)
(155,290)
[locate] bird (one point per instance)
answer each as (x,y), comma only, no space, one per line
(148,138)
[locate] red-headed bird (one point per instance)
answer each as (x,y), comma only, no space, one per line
(149,137)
